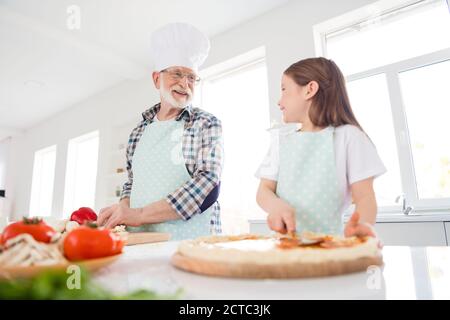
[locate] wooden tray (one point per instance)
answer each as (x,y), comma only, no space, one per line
(258,271)
(28,272)
(133,238)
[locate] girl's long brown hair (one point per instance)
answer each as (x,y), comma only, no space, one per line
(330,105)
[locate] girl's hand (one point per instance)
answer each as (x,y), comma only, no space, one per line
(282,220)
(360,229)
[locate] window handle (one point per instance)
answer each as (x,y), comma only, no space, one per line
(405,209)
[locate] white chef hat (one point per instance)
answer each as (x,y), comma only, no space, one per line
(178,44)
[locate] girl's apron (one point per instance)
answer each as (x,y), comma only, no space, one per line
(308,181)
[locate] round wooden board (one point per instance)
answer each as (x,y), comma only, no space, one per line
(29,272)
(258,271)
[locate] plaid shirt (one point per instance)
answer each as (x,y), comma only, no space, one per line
(202,151)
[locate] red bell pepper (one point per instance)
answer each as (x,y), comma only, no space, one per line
(83,214)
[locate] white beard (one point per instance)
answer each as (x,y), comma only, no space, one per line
(167,95)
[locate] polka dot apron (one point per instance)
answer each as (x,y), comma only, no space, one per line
(308,181)
(159,169)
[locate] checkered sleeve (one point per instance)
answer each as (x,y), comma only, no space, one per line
(188,198)
(132,141)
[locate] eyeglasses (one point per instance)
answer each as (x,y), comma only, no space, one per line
(177,75)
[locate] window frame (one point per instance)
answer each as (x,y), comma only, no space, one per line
(391,71)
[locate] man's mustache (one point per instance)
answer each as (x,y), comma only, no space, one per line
(181,90)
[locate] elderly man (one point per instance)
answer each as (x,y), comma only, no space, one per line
(174,155)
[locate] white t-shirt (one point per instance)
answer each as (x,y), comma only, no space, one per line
(355,155)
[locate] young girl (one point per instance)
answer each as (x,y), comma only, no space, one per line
(310,176)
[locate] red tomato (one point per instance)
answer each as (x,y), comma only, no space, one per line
(83,214)
(37,228)
(87,242)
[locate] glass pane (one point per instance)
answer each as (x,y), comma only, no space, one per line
(245,117)
(369,98)
(410,33)
(42,183)
(81,174)
(426,99)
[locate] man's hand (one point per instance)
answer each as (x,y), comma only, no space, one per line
(283,219)
(356,228)
(118,214)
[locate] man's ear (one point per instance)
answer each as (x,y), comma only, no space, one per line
(311,89)
(156,79)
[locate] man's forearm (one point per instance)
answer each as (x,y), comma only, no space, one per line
(125,201)
(159,211)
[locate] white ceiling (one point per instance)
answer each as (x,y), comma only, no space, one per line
(46,68)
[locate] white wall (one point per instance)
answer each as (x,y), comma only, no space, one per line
(104,112)
(285,32)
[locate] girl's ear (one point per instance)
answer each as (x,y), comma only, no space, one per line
(155,76)
(311,89)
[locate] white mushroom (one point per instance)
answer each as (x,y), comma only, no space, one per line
(60,225)
(70,225)
(24,250)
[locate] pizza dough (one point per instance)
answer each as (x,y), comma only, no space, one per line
(254,256)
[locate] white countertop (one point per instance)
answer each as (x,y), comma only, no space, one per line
(408,273)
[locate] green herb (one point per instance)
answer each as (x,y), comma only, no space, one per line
(53,285)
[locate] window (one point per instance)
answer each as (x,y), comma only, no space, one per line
(4,151)
(42,183)
(370,102)
(396,59)
(427,108)
(395,35)
(237,93)
(81,172)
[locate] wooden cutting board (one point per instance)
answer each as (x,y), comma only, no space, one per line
(133,238)
(32,271)
(279,271)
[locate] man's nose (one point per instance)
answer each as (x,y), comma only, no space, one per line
(184,82)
